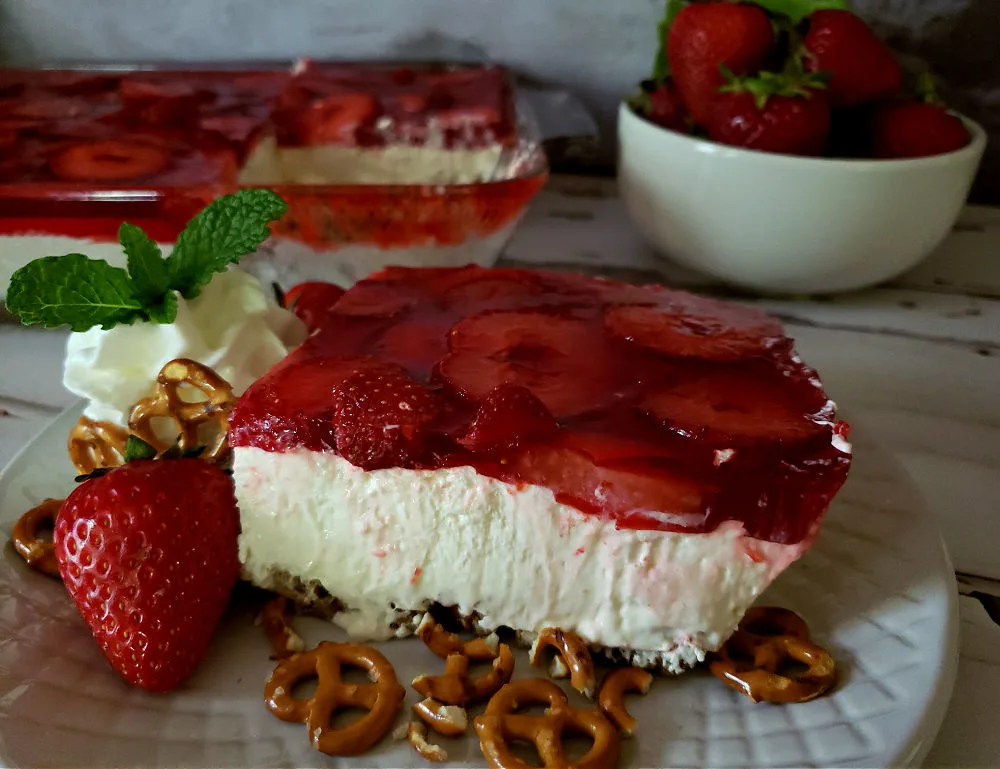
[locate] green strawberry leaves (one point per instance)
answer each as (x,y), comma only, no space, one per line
(136,448)
(798,10)
(661,67)
(82,293)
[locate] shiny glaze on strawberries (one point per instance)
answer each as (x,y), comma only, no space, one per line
(191,127)
(461,108)
(659,409)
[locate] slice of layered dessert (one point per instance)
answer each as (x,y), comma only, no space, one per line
(535,450)
(386,124)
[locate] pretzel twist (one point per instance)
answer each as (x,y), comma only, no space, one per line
(611,698)
(93,445)
(501,724)
(382,698)
(39,554)
(753,659)
(572,658)
(168,402)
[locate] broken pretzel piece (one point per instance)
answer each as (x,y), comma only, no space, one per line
(274,618)
(93,445)
(572,658)
(446,720)
(38,553)
(455,686)
(611,699)
(755,657)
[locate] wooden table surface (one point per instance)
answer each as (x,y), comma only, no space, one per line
(916,361)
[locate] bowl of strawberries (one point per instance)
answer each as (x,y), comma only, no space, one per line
(780,147)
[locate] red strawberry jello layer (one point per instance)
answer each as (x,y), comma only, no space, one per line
(632,463)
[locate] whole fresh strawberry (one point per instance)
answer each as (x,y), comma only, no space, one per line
(772,113)
(703,39)
(913,129)
(664,107)
(860,67)
(148,553)
(380,416)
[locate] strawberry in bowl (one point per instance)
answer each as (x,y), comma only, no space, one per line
(778,147)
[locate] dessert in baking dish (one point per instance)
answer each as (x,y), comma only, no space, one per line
(380,164)
(336,125)
(631,464)
(317,124)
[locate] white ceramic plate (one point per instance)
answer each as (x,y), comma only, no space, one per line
(877,590)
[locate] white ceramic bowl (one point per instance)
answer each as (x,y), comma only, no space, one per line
(785,224)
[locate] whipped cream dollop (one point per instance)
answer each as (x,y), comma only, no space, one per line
(234,326)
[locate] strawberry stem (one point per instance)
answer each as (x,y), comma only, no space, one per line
(927,88)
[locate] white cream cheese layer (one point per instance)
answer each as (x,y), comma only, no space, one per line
(393,164)
(394,538)
(233,326)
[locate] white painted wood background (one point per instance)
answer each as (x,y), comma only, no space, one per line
(917,362)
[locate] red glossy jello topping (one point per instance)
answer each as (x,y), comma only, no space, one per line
(464,107)
(655,408)
(188,127)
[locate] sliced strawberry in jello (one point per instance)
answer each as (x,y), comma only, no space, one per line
(416,344)
(481,292)
(380,418)
(729,406)
(689,326)
(637,494)
(311,301)
(49,108)
(336,119)
(156,86)
(557,357)
(371,299)
(508,416)
(470,289)
(110,160)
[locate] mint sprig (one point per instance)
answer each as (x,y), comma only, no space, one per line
(82,293)
(146,265)
(73,291)
(218,236)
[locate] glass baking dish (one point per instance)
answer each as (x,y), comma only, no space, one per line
(336,232)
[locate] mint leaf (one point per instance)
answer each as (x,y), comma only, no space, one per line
(146,267)
(164,311)
(661,66)
(137,448)
(227,229)
(797,10)
(73,291)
